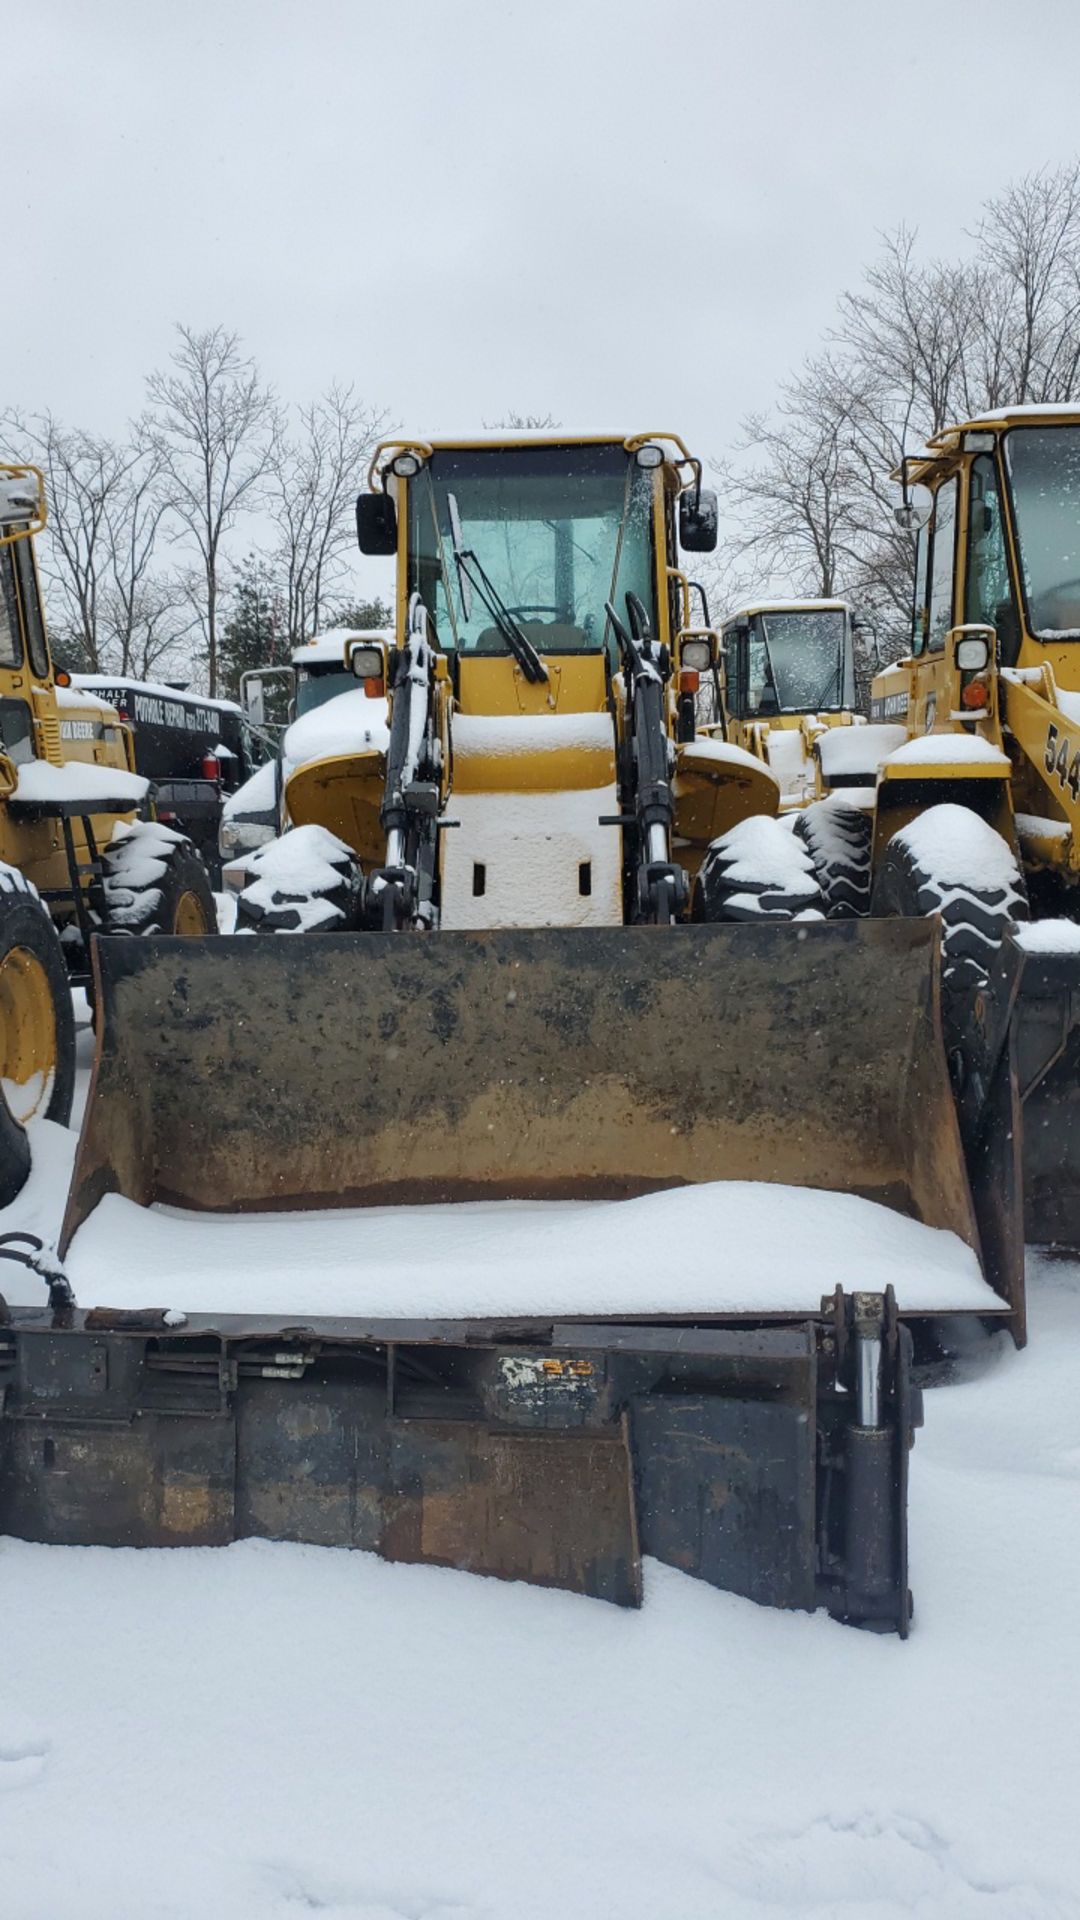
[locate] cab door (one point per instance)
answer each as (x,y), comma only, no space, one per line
(935,612)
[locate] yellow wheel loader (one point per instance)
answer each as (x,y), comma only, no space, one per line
(788,682)
(74,860)
(541,942)
(974,813)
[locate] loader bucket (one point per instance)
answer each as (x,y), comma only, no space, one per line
(1045,1040)
(371,1069)
(765,1453)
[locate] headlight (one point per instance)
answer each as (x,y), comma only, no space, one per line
(696,654)
(650,455)
(972,655)
(367,663)
(242,836)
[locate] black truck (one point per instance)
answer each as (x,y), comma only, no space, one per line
(194,751)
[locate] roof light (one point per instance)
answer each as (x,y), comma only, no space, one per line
(650,455)
(405,465)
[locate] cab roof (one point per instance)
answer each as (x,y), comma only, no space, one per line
(785,606)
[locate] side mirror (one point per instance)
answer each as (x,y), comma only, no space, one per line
(699,521)
(376,524)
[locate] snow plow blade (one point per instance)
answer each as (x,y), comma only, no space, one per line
(556,1453)
(765,1453)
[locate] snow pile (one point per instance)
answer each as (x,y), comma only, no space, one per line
(961,850)
(790,763)
(699,754)
(330,644)
(79,699)
(136,862)
(257,795)
(760,849)
(857,752)
(532,860)
(1069,703)
(507,736)
(1033,826)
(349,723)
(306,864)
(78,781)
(240,1714)
(1049,936)
(740,1251)
(942,749)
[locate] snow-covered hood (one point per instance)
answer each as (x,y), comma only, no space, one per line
(349,723)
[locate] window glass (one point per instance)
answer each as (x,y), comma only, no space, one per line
(798,661)
(33,624)
(921,612)
(554,531)
(10,641)
(942,554)
(315,685)
(16,731)
(1043,465)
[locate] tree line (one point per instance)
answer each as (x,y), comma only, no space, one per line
(141,566)
(140,570)
(920,344)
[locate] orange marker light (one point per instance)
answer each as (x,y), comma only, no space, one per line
(689,680)
(975,694)
(375,688)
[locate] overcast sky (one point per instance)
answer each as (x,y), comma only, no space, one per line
(634,215)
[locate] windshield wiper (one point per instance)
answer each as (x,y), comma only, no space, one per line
(472,571)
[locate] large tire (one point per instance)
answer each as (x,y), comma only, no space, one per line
(37,1027)
(155,882)
(308,881)
(757,871)
(950,861)
(840,841)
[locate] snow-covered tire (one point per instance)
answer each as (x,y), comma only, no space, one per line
(155,882)
(308,881)
(37,1026)
(840,841)
(757,871)
(952,862)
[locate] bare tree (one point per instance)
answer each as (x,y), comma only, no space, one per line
(212,427)
(918,346)
(314,477)
(798,499)
(110,608)
(523,423)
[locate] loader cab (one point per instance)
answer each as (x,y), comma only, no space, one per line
(1000,541)
(534,537)
(26,673)
(789,658)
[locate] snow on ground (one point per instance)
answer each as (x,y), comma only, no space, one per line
(266,1731)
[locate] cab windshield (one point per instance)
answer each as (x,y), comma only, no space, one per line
(551,534)
(314,685)
(1044,473)
(798,661)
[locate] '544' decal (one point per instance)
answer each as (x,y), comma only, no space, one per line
(1056,760)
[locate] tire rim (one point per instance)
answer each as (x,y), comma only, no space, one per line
(190,916)
(27,1034)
